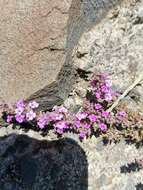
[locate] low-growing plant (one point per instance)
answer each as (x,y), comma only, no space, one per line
(94,117)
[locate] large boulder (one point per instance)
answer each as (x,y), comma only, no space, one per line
(29,163)
(32,45)
(36,44)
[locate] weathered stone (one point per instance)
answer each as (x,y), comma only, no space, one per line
(36,45)
(32,45)
(115,46)
(28,163)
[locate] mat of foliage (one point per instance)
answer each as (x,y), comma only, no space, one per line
(94,117)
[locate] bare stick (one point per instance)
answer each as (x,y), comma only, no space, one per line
(136,82)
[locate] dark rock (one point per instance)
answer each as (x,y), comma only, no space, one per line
(43,165)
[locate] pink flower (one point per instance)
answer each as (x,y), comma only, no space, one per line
(33,104)
(9,118)
(105,114)
(19,118)
(20,104)
(60,131)
(108,83)
(98,95)
(94,83)
(104,88)
(60,109)
(42,121)
(86,125)
(19,110)
(30,115)
(122,114)
(92,117)
(53,116)
(41,125)
(98,106)
(77,124)
(108,96)
(103,126)
(60,126)
(82,134)
(81,115)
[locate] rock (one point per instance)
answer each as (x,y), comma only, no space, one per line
(32,45)
(114,166)
(115,46)
(36,45)
(29,163)
(73,104)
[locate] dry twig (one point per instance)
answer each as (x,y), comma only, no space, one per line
(132,86)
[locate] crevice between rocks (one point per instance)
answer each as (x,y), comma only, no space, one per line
(83,15)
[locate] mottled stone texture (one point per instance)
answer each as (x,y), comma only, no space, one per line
(32,45)
(36,44)
(115,46)
(30,164)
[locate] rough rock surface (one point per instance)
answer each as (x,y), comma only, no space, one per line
(29,164)
(29,161)
(36,44)
(115,46)
(32,45)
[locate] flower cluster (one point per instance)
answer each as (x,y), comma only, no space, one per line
(93,116)
(58,119)
(26,112)
(22,112)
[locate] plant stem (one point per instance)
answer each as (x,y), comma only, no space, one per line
(132,86)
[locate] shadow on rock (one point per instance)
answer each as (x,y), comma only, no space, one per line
(139,186)
(137,143)
(83,16)
(30,164)
(130,167)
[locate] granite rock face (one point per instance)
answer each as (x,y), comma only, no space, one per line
(27,163)
(32,45)
(115,46)
(37,42)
